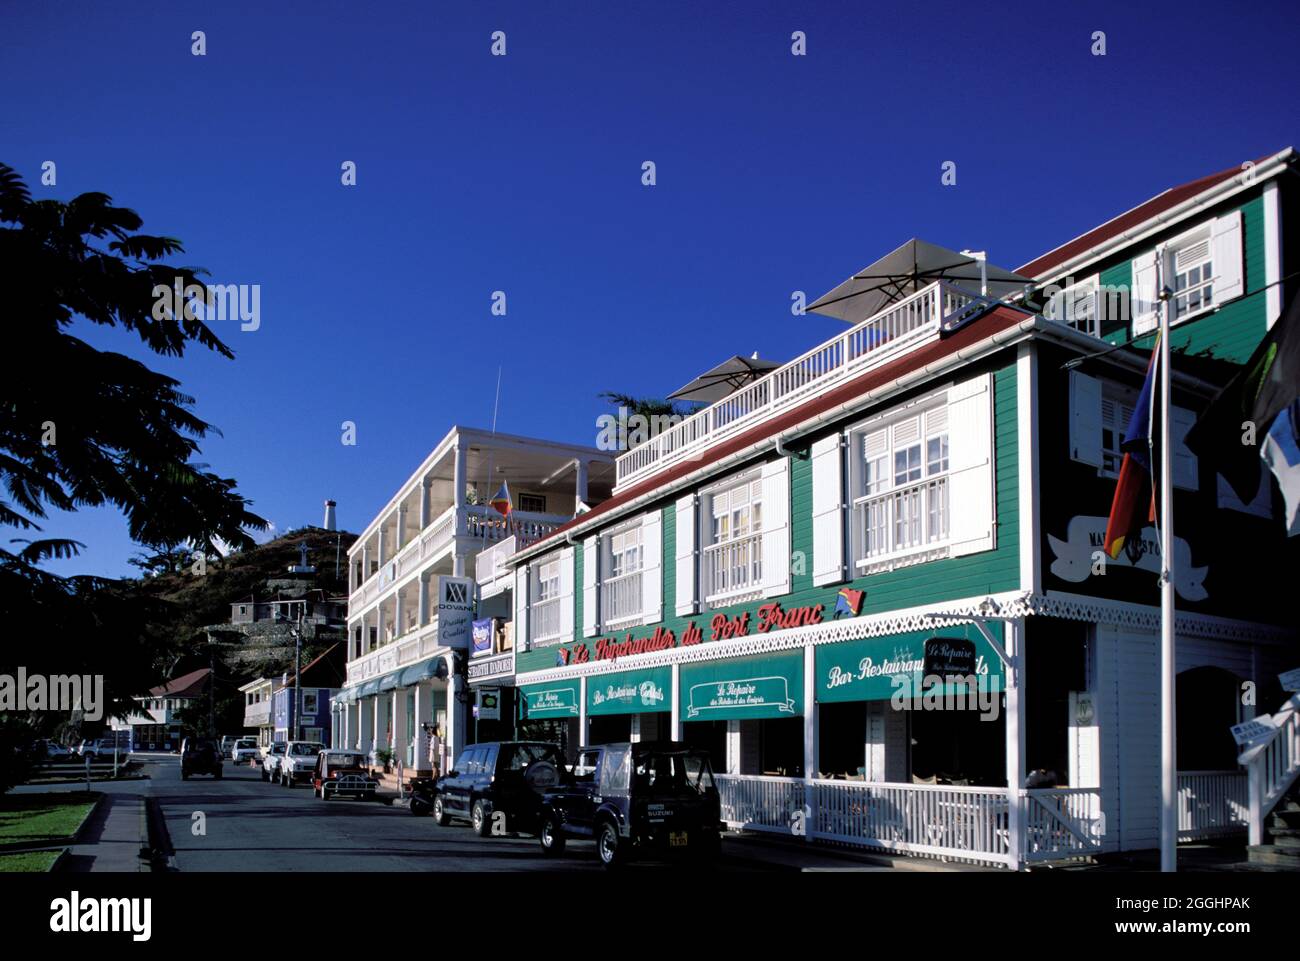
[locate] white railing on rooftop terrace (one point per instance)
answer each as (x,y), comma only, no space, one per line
(490,566)
(894,330)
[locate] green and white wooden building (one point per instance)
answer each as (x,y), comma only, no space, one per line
(768,572)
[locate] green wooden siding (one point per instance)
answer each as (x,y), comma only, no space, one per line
(974,575)
(1235,330)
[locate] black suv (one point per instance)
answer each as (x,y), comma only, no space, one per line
(632,798)
(200,755)
(506,776)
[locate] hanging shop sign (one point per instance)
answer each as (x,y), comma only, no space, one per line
(630,692)
(487,704)
(455,611)
(1081,555)
(551,700)
(743,688)
(481,632)
(949,657)
(1253,732)
(768,617)
(872,669)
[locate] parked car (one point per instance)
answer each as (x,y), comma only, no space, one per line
(245,749)
(634,798)
(508,777)
(200,755)
(299,761)
(340,773)
(271,762)
(52,750)
(227,743)
(93,749)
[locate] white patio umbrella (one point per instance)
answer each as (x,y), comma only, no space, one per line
(914,265)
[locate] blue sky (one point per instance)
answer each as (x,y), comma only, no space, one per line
(522,173)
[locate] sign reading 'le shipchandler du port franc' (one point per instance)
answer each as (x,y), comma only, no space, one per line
(752,692)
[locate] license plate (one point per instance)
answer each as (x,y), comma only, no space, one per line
(677,839)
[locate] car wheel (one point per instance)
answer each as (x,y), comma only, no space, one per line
(478,817)
(609,846)
(185,775)
(440,813)
(418,808)
(552,836)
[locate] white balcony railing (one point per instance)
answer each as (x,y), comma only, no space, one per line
(1211,804)
(621,598)
(257,715)
(544,620)
(406,650)
(490,570)
(895,330)
(733,567)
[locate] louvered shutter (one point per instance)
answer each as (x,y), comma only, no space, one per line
(776,528)
(652,572)
(970,483)
(566,595)
(590,587)
(684,555)
(1184,467)
(1085,419)
(1142,295)
(828,510)
(521,606)
(1227,254)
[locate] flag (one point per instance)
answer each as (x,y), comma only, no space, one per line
(1281,452)
(1134,489)
(848,601)
(1260,391)
(501,502)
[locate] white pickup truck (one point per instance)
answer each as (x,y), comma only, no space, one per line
(299,761)
(245,749)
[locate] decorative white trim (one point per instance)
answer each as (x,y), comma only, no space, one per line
(1027,466)
(1100,610)
(1272,254)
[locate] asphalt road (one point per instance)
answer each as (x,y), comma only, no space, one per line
(251,825)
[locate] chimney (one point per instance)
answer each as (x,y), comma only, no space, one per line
(330,523)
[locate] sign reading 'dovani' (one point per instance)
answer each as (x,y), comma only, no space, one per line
(455,611)
(1080,552)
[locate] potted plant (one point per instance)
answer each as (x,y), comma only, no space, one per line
(385,756)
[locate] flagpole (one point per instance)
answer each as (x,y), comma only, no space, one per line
(1168,715)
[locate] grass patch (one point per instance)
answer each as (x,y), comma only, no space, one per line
(31,861)
(43,817)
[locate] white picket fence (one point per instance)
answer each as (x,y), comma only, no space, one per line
(1212,804)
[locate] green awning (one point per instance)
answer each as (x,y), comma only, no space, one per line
(867,670)
(421,672)
(769,685)
(556,699)
(630,692)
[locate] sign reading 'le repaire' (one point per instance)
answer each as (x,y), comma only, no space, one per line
(949,657)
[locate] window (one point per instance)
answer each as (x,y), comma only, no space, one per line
(1077,306)
(621,586)
(900,500)
(545,611)
(733,548)
(1116,412)
(1191,266)
(532,503)
(584,768)
(310,703)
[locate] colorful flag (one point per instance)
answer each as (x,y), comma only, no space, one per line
(848,601)
(501,502)
(1231,432)
(1134,489)
(1281,452)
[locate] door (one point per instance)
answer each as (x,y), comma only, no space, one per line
(454,787)
(581,806)
(487,771)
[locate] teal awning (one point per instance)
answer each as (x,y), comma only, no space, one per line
(630,692)
(346,696)
(770,685)
(873,668)
(556,699)
(390,680)
(369,689)
(421,672)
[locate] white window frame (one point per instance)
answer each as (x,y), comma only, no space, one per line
(621,593)
(929,416)
(1202,235)
(546,594)
(1117,405)
(1063,307)
(732,550)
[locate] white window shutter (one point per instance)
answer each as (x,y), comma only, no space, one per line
(521,606)
(590,587)
(776,527)
(1142,295)
(684,555)
(1085,419)
(1184,469)
(1227,254)
(970,451)
(652,567)
(566,594)
(828,510)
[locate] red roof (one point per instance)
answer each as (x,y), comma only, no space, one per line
(995,321)
(1125,221)
(187,685)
